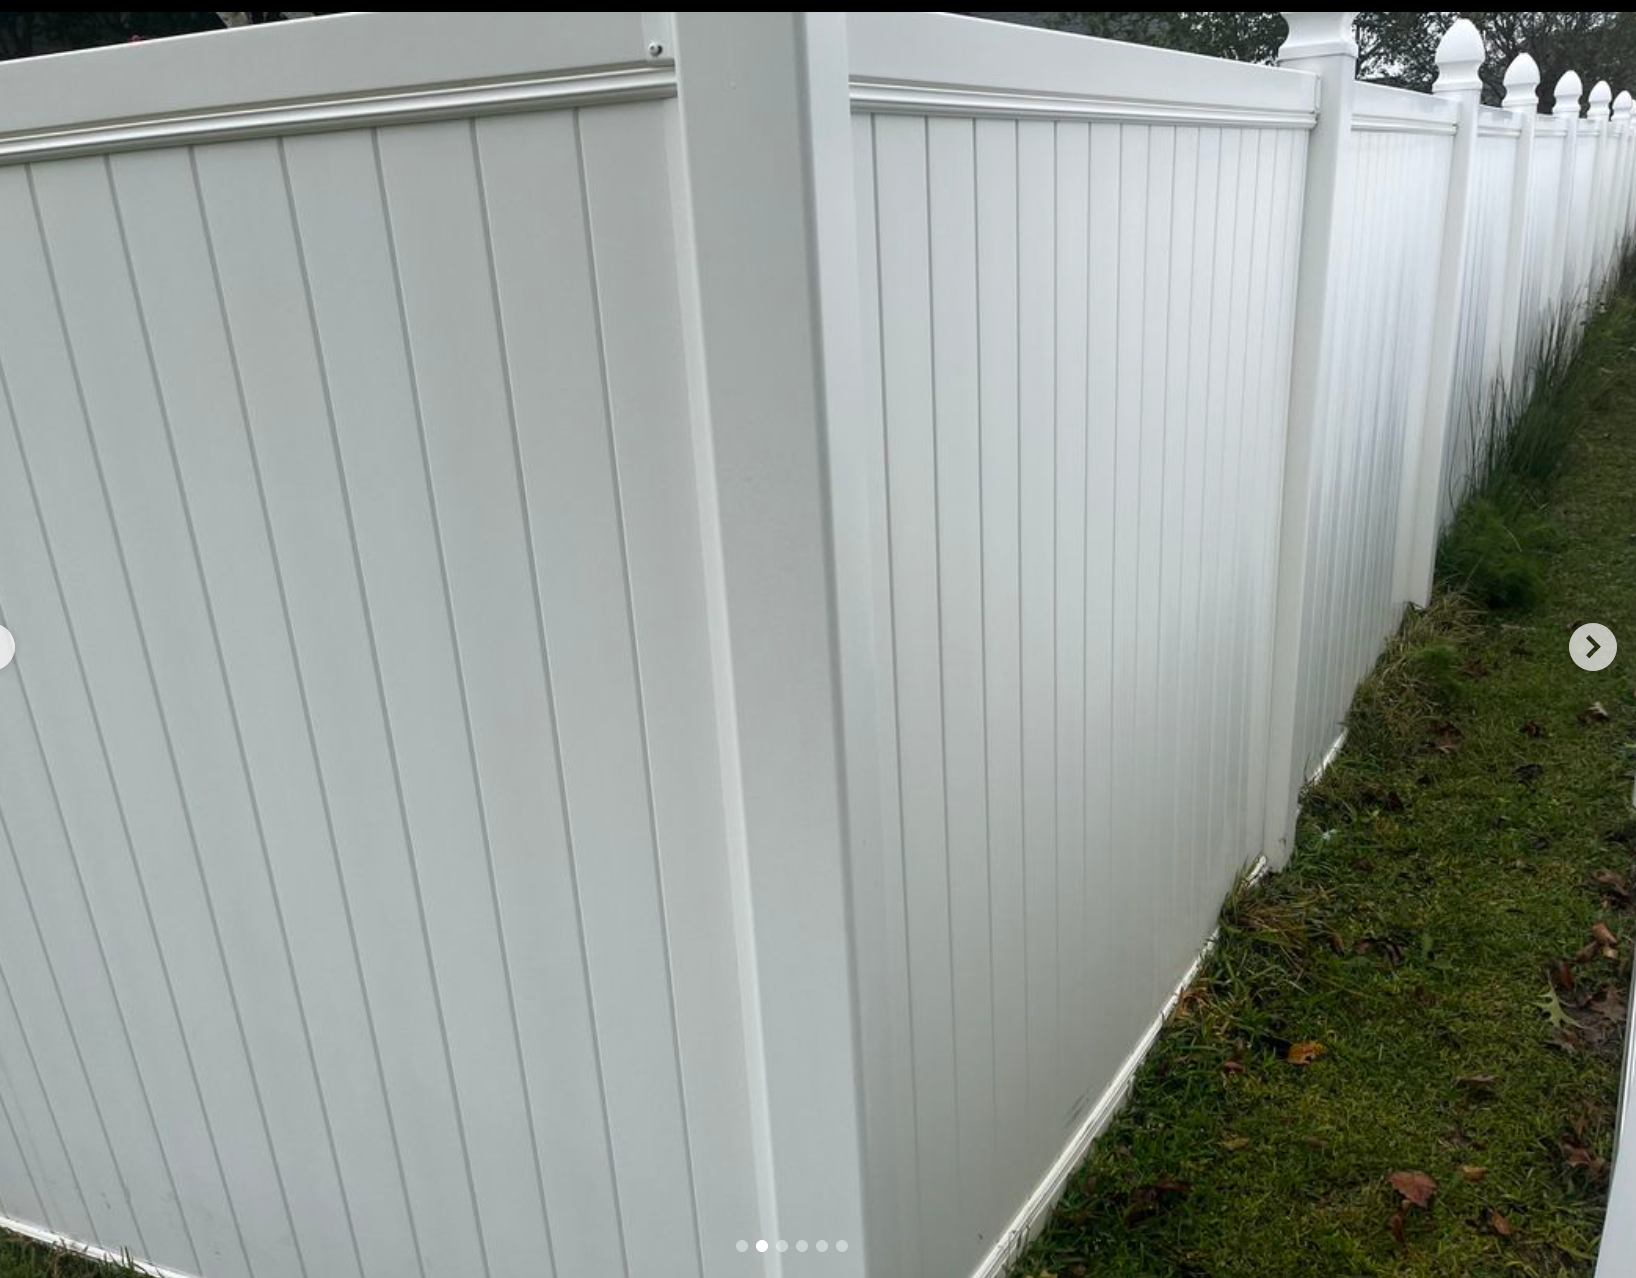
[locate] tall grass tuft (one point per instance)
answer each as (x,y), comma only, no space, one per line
(1493,549)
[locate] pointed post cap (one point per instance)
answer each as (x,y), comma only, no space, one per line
(1623,105)
(1568,89)
(1317,35)
(1601,95)
(1459,54)
(1522,85)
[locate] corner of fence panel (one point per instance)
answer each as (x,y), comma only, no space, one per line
(765,223)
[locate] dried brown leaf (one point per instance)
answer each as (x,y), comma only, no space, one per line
(1149,1200)
(1305,1053)
(1616,885)
(1581,1157)
(1472,1173)
(1499,1224)
(1415,1186)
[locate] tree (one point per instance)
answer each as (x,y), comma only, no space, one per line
(27,35)
(1393,48)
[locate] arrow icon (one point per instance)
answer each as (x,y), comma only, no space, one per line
(1600,646)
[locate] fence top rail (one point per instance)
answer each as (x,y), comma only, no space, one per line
(319,73)
(1497,120)
(1383,108)
(943,64)
(1550,126)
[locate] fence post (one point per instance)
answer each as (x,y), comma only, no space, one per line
(1598,118)
(761,163)
(1564,243)
(1322,44)
(1522,100)
(1623,106)
(1459,55)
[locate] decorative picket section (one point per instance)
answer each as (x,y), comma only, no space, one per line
(644,633)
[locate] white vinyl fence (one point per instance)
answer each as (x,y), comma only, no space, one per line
(644,634)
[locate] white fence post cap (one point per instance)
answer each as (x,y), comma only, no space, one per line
(1522,84)
(1459,53)
(1568,89)
(1601,95)
(1624,104)
(1315,35)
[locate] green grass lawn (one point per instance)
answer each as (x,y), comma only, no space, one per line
(20,1258)
(1434,933)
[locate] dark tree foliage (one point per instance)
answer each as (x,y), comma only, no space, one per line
(1393,48)
(24,35)
(27,35)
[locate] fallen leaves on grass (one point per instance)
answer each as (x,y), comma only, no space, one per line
(1581,1157)
(1615,885)
(1236,1143)
(1609,1004)
(1149,1200)
(1305,1053)
(1533,728)
(1478,1084)
(1448,739)
(1472,1173)
(1416,1187)
(1551,1005)
(1562,975)
(1499,1224)
(1604,935)
(1596,712)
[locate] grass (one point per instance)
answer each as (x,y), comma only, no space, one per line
(1437,915)
(21,1258)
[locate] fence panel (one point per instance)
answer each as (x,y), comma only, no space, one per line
(648,633)
(1535,315)
(1076,332)
(362,856)
(1392,224)
(1477,355)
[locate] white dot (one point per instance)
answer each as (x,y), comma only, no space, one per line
(802,1245)
(742,1245)
(841,1246)
(782,1245)
(8,647)
(761,1245)
(822,1245)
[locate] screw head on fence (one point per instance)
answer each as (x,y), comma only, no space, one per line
(1459,53)
(1568,89)
(1522,84)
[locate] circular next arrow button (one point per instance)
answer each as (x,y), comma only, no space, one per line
(1593,646)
